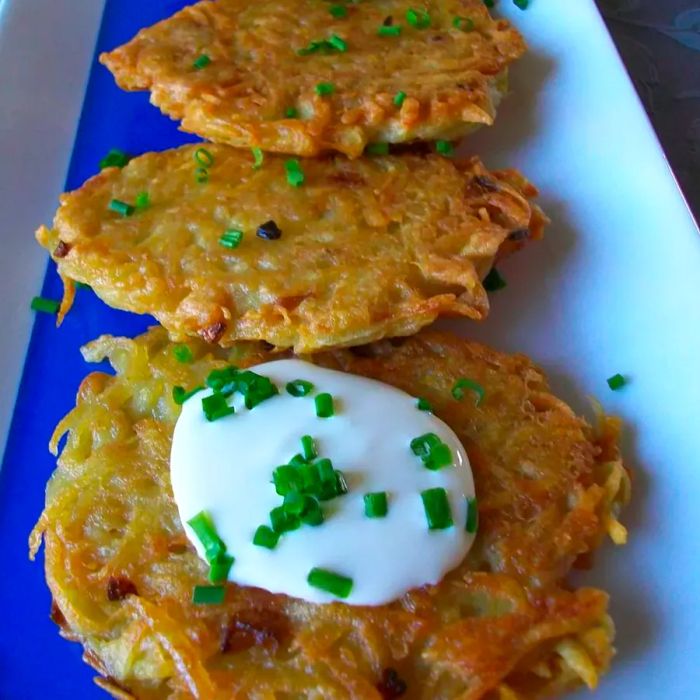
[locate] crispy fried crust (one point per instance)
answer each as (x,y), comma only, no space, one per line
(452,78)
(500,626)
(369,248)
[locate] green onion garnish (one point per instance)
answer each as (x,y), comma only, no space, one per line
(258,157)
(493,281)
(299,387)
(231,239)
(330,582)
(201,62)
(391,30)
(46,306)
(420,19)
(439,457)
(325,470)
(424,405)
(115,159)
(444,148)
(324,89)
(222,380)
(215,407)
(183,354)
(312,513)
(286,479)
(437,508)
(266,537)
(208,595)
(295,175)
(203,527)
(291,112)
(294,503)
(338,11)
(489,3)
(521,4)
(219,568)
(201,175)
(377,149)
(376,504)
(338,43)
(333,43)
(324,406)
(204,157)
(121,207)
(617,381)
(308,447)
(421,446)
(399,97)
(464,383)
(472,516)
(180,395)
(143,200)
(283,521)
(465,24)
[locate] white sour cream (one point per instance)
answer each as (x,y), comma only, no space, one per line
(225,468)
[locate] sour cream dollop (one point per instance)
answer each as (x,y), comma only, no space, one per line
(225,468)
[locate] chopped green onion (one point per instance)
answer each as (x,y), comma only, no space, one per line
(222,380)
(338,43)
(180,395)
(521,4)
(391,30)
(313,513)
(215,407)
(338,11)
(376,504)
(201,175)
(258,157)
(219,567)
(299,387)
(208,595)
(310,480)
(294,503)
(439,457)
(201,62)
(295,175)
(47,306)
(283,521)
(422,446)
(142,200)
(424,405)
(82,285)
(203,527)
(308,447)
(121,207)
(324,406)
(444,148)
(399,97)
(377,149)
(489,3)
(204,157)
(291,113)
(297,460)
(115,159)
(420,19)
(465,24)
(266,537)
(325,470)
(464,383)
(437,508)
(330,582)
(472,516)
(231,239)
(183,354)
(493,281)
(286,479)
(341,485)
(324,89)
(617,381)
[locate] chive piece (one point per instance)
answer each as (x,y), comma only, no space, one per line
(464,383)
(219,567)
(295,175)
(180,395)
(324,89)
(46,306)
(444,148)
(391,30)
(82,285)
(420,19)
(201,175)
(424,405)
(376,504)
(222,380)
(341,485)
(308,448)
(299,387)
(325,470)
(291,113)
(258,157)
(617,381)
(439,457)
(464,24)
(294,503)
(201,61)
(313,513)
(422,446)
(269,231)
(472,516)
(310,480)
(203,527)
(231,238)
(208,595)
(297,461)
(338,43)
(324,406)
(330,582)
(286,479)
(521,4)
(489,3)
(377,149)
(493,281)
(266,537)
(399,98)
(338,11)
(437,508)
(204,157)
(215,407)
(121,207)
(116,158)
(183,354)
(142,200)
(283,521)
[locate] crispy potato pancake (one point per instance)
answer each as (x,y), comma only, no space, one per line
(503,625)
(231,70)
(369,248)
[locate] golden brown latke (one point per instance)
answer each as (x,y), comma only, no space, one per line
(369,248)
(503,625)
(453,78)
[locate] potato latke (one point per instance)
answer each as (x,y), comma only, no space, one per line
(231,71)
(502,625)
(368,248)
